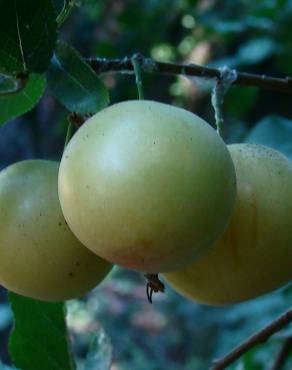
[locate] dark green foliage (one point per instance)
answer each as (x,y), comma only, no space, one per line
(74,83)
(39,338)
(238,102)
(28,35)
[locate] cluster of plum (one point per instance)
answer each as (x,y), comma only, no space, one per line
(152,188)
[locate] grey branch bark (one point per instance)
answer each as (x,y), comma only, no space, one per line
(103,65)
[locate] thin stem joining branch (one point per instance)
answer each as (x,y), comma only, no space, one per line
(69,133)
(102,65)
(258,338)
(136,61)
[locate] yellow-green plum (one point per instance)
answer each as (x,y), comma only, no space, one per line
(39,255)
(147,185)
(254,255)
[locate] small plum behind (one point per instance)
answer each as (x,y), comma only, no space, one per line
(254,256)
(39,255)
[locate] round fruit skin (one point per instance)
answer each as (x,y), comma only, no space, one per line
(39,255)
(146,185)
(254,255)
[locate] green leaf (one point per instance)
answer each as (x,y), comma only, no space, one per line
(74,83)
(14,105)
(28,33)
(273,131)
(39,339)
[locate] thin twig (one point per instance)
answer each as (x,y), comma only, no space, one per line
(136,61)
(217,101)
(69,133)
(283,355)
(103,65)
(258,338)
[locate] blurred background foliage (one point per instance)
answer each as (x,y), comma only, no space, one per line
(253,36)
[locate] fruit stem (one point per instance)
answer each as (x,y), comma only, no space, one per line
(68,133)
(136,61)
(217,101)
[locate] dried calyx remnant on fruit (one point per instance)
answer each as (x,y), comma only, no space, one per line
(254,255)
(39,255)
(147,186)
(154,285)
